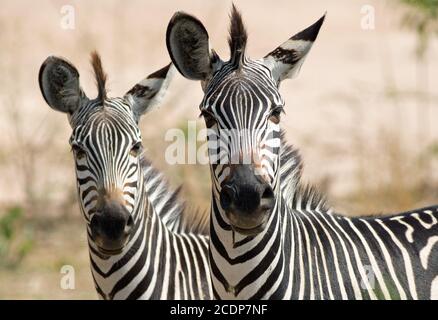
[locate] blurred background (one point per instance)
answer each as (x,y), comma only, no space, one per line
(363,112)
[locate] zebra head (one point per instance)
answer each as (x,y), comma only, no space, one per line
(241,107)
(107,147)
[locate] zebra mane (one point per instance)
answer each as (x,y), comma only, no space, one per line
(99,74)
(175,214)
(237,38)
(297,193)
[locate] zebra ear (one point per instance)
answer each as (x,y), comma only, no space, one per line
(187,43)
(59,84)
(150,91)
(286,60)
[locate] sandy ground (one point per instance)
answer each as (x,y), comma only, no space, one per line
(344,94)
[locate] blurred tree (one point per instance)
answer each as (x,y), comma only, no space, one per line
(15,240)
(422,17)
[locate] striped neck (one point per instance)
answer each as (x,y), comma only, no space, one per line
(165,259)
(232,254)
(310,252)
(108,271)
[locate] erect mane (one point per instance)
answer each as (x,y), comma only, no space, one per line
(237,37)
(99,74)
(174,213)
(295,192)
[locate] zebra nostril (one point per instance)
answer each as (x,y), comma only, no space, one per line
(95,225)
(129,225)
(267,198)
(227,197)
(95,219)
(268,193)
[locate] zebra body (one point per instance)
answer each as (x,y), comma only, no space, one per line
(309,252)
(142,244)
(275,238)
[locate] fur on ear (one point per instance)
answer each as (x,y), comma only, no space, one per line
(286,60)
(150,91)
(188,45)
(59,84)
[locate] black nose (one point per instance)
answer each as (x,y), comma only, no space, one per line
(111,225)
(245,192)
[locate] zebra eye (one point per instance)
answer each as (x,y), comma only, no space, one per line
(78,151)
(210,120)
(275,114)
(135,150)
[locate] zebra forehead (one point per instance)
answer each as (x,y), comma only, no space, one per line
(96,106)
(253,82)
(108,119)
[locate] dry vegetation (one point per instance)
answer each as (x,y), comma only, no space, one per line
(355,113)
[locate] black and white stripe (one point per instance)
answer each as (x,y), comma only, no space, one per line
(305,251)
(166,254)
(310,252)
(159,261)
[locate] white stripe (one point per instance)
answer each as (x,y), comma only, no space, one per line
(425,252)
(406,259)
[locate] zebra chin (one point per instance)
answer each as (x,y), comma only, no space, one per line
(250,222)
(248,225)
(110,252)
(111,247)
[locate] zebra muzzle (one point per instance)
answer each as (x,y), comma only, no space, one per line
(247,201)
(111,226)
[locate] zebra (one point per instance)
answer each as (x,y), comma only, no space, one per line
(142,244)
(275,238)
